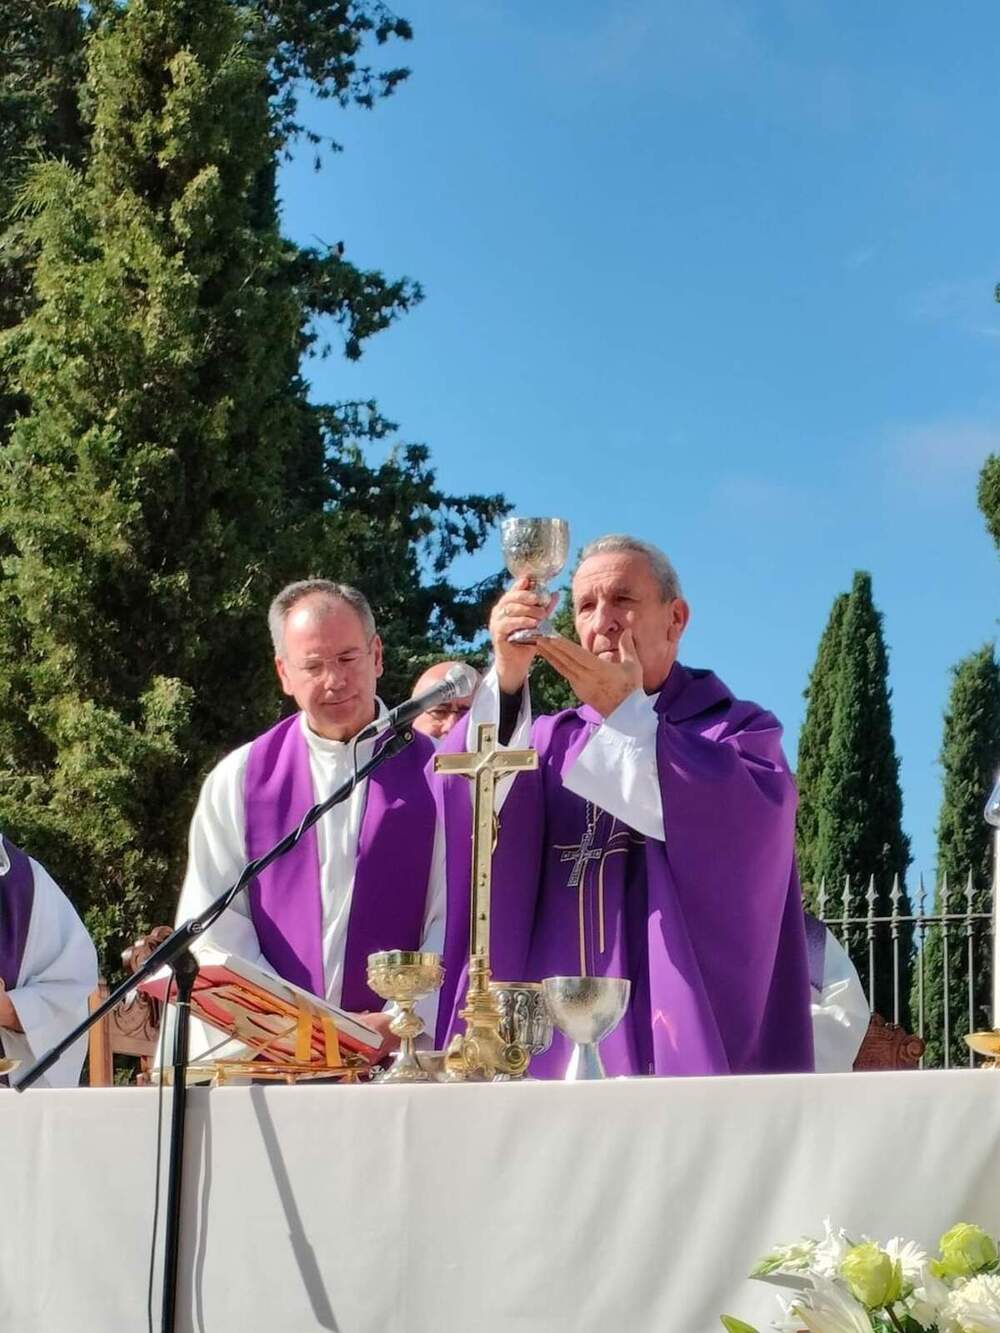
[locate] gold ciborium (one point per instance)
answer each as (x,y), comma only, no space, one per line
(404,976)
(985,1043)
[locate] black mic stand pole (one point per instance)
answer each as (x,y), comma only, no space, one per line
(175,953)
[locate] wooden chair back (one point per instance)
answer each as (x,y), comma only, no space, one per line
(132,1027)
(888,1046)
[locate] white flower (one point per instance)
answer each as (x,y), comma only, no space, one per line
(795,1258)
(928,1298)
(789,1321)
(829,1253)
(912,1259)
(974,1307)
(828,1308)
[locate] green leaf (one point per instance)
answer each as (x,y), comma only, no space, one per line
(735,1325)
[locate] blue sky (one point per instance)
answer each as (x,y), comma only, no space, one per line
(717,274)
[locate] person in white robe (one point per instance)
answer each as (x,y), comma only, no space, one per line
(57,973)
(328,658)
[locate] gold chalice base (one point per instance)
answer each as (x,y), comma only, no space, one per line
(986,1043)
(7,1065)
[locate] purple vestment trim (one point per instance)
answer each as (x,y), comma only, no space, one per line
(17,898)
(395,846)
(708,925)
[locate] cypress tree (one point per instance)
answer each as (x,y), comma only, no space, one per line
(814,744)
(860,835)
(168,473)
(970,755)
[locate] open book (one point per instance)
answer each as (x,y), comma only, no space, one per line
(279,1022)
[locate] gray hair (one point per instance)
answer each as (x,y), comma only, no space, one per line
(328,593)
(618,543)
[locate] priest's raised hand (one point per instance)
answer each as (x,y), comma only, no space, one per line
(602,682)
(519,608)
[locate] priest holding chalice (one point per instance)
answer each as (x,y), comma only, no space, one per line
(654,842)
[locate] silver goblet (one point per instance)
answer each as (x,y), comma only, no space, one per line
(586,1009)
(537,547)
(524,1017)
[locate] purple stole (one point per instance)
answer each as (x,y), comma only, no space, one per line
(17,898)
(395,846)
(717,959)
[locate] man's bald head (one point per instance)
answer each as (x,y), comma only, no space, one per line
(439,721)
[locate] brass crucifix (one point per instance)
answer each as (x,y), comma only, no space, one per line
(480,1050)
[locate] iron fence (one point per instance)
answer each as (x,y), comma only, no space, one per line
(961,927)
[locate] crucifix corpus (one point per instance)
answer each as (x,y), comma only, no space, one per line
(480,1051)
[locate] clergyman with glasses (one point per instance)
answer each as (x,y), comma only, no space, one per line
(369,875)
(437,722)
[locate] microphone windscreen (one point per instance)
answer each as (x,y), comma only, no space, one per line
(463,678)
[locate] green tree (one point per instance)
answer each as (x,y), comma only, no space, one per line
(41,66)
(989,495)
(168,472)
(860,836)
(970,752)
(814,744)
(550,692)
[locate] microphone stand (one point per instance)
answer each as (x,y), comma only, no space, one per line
(176,954)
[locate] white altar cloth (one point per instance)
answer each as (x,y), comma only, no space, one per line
(618,1207)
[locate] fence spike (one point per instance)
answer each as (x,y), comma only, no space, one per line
(870,896)
(895,896)
(968,894)
(822,898)
(943,893)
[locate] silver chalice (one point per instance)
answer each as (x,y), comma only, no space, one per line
(524,1017)
(586,1009)
(537,547)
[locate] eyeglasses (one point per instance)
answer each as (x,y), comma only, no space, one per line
(316,667)
(445,711)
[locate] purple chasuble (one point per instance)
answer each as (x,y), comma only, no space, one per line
(708,926)
(395,847)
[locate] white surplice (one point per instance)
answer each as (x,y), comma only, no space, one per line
(57,975)
(840,1012)
(616,771)
(217,854)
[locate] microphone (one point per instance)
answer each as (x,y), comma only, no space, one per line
(457,683)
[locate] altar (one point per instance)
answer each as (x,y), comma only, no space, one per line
(626,1206)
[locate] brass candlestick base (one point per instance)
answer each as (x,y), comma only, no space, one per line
(986,1043)
(404,976)
(481,1051)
